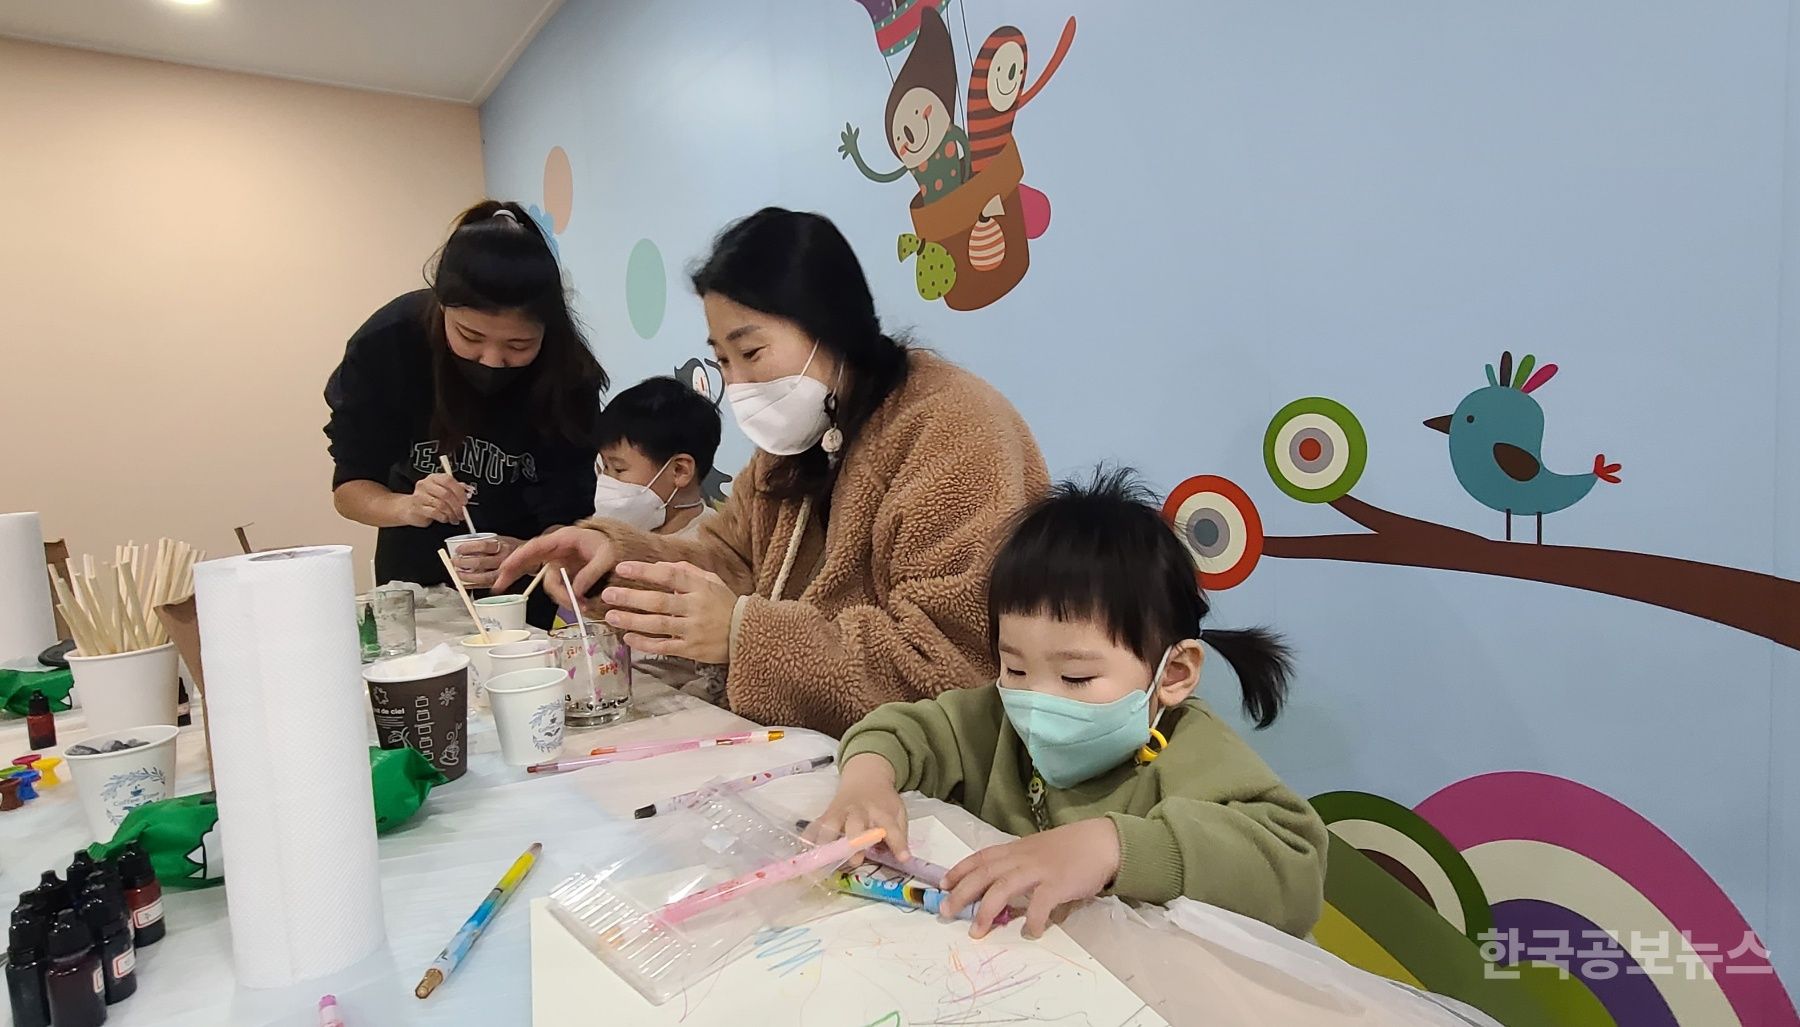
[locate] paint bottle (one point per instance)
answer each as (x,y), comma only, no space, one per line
(143,894)
(40,723)
(106,919)
(184,715)
(76,986)
(55,893)
(107,874)
(25,972)
(80,868)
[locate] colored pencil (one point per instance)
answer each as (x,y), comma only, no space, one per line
(448,960)
(907,894)
(818,858)
(683,744)
(912,866)
(686,799)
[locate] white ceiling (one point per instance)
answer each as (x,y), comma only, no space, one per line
(445,49)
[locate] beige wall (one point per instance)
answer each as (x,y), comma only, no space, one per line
(182,255)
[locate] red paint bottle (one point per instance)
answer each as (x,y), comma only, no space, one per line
(143,894)
(76,987)
(40,723)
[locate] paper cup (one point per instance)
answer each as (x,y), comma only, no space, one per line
(501,613)
(419,704)
(528,714)
(127,689)
(527,655)
(453,545)
(112,784)
(478,651)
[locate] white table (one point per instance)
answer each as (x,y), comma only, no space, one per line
(437,868)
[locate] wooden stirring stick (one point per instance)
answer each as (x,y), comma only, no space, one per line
(468,519)
(545,569)
(468,604)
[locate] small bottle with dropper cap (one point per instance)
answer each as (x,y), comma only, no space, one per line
(75,983)
(40,723)
(143,894)
(105,917)
(25,989)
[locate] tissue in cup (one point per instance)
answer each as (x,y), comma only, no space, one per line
(528,714)
(454,544)
(423,701)
(501,613)
(112,784)
(127,689)
(599,688)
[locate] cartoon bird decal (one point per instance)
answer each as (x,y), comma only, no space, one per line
(1496,446)
(700,376)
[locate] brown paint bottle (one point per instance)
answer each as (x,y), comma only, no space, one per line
(74,980)
(40,723)
(25,971)
(143,894)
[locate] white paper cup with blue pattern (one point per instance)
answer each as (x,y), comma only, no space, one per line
(112,784)
(528,714)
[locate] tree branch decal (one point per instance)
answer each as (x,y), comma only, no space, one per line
(1315,450)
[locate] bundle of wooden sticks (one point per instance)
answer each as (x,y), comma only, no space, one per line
(111,608)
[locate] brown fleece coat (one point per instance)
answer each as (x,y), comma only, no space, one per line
(890,602)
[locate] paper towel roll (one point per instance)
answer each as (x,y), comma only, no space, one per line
(286,710)
(27,627)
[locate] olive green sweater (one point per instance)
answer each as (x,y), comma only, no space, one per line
(1206,819)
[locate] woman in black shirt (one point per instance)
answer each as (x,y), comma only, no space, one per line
(486,366)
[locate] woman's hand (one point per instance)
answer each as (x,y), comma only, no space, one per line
(478,563)
(436,498)
(1063,864)
(865,798)
(692,619)
(585,553)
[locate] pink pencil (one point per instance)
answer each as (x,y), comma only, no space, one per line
(822,857)
(682,744)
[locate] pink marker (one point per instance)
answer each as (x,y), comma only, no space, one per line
(328,1012)
(683,744)
(823,857)
(686,799)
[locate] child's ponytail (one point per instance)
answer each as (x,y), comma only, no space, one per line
(1263,663)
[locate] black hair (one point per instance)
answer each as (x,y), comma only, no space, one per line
(798,266)
(497,260)
(1100,551)
(664,418)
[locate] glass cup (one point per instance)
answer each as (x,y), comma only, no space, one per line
(599,668)
(387,624)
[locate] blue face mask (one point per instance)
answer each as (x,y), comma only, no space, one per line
(1069,740)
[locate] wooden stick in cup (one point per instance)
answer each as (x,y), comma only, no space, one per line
(468,519)
(535,581)
(468,604)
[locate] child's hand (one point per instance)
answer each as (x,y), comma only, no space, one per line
(1063,864)
(865,798)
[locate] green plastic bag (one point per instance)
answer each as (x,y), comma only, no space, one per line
(16,687)
(181,836)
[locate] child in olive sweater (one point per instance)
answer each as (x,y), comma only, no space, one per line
(1091,746)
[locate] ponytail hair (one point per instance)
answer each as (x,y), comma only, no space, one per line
(1263,664)
(1099,550)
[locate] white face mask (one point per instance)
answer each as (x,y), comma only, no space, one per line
(635,505)
(785,417)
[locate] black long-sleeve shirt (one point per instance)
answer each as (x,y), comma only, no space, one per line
(381,398)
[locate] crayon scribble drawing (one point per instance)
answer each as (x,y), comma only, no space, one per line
(872,964)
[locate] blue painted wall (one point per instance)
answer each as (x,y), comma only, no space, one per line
(1255,202)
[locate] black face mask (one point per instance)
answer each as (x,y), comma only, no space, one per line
(489,380)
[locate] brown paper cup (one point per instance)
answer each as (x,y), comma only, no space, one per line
(429,712)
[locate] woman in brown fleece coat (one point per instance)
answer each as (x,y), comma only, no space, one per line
(848,568)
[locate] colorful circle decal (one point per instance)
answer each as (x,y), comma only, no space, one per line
(559,189)
(1315,449)
(1219,526)
(646,288)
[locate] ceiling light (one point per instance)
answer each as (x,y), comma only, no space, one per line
(191,3)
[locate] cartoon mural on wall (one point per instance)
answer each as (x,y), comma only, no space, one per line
(1315,450)
(1532,897)
(1564,908)
(971,211)
(702,374)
